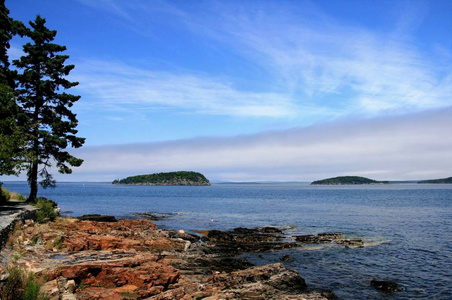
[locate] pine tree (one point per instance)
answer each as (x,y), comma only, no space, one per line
(6,34)
(12,141)
(41,95)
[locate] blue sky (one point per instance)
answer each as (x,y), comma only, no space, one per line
(257,90)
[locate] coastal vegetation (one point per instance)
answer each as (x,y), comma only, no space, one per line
(47,209)
(443,180)
(4,194)
(23,285)
(346,180)
(36,122)
(168,178)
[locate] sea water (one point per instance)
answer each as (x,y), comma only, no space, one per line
(406,227)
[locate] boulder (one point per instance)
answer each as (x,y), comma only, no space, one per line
(385,285)
(98,218)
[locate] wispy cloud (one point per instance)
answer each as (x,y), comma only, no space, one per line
(369,71)
(313,63)
(117,86)
(111,6)
(387,148)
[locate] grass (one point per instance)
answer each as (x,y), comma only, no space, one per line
(6,196)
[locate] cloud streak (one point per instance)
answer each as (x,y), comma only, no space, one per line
(314,66)
(117,86)
(407,147)
(369,71)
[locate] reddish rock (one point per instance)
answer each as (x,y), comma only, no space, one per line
(142,274)
(132,259)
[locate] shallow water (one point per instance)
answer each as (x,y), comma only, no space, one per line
(407,227)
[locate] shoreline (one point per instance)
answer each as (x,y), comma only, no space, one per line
(134,259)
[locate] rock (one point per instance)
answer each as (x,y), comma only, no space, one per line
(385,286)
(321,238)
(152,216)
(351,243)
(133,259)
(245,239)
(286,258)
(68,296)
(265,282)
(180,234)
(51,289)
(141,272)
(70,286)
(326,238)
(98,218)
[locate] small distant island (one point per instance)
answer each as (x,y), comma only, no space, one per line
(345,180)
(443,180)
(168,178)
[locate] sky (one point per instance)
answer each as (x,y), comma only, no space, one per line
(256,90)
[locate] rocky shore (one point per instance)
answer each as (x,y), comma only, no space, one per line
(133,259)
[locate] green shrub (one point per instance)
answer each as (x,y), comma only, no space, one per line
(14,286)
(46,210)
(21,285)
(31,288)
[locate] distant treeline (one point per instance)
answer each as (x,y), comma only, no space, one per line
(343,180)
(443,180)
(168,178)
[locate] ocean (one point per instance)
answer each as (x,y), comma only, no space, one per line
(406,227)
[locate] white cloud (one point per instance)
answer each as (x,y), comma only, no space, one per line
(410,147)
(374,71)
(109,6)
(314,65)
(117,86)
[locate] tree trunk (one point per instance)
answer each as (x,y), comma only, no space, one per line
(33,180)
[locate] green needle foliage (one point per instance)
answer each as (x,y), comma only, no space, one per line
(12,141)
(36,123)
(49,125)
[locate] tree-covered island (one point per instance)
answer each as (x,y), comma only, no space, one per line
(442,180)
(345,180)
(168,178)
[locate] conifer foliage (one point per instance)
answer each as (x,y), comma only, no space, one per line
(11,139)
(48,124)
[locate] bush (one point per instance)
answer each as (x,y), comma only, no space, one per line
(47,210)
(32,288)
(21,285)
(14,286)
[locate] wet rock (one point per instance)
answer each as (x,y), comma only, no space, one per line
(327,238)
(152,216)
(385,286)
(246,239)
(287,258)
(351,243)
(98,218)
(321,238)
(180,234)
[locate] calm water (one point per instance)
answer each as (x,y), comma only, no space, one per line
(407,226)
